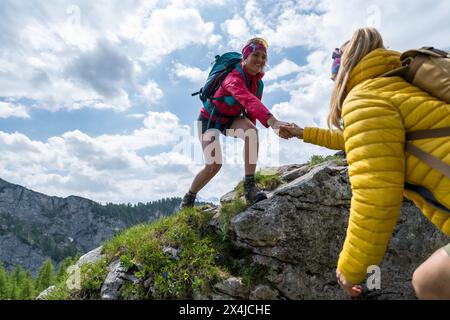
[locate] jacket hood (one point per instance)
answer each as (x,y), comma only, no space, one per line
(374,64)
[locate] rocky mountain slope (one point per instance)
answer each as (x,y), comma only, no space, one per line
(285,247)
(34,226)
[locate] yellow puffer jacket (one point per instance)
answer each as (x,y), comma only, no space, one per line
(377,113)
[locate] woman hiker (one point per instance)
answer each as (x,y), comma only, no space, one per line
(373,114)
(236,117)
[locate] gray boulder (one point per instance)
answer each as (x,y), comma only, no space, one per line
(113,282)
(299,232)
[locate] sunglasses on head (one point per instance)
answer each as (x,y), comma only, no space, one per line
(336,56)
(260,41)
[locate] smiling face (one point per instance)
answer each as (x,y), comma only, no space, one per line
(256,62)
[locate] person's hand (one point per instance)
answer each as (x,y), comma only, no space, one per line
(292,130)
(276,125)
(349,288)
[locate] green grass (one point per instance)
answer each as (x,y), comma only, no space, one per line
(60,293)
(264,180)
(315,159)
(141,252)
(204,258)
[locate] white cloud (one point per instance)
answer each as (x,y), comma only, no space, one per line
(237,29)
(100,167)
(192,74)
(198,3)
(286,67)
(162,31)
(151,91)
(8,110)
(136,116)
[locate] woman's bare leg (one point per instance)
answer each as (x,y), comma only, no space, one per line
(246,130)
(431,280)
(213,160)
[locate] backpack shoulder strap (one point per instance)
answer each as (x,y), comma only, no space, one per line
(429,159)
(239,68)
(260,88)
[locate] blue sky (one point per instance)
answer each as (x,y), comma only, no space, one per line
(95,95)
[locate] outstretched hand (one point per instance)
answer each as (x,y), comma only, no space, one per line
(276,125)
(292,130)
(349,288)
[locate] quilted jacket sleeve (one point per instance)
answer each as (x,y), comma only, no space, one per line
(331,139)
(374,144)
(235,85)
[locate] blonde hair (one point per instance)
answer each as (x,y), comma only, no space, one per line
(364,41)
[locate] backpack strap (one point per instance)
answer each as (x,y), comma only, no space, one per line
(427,134)
(260,88)
(426,157)
(241,71)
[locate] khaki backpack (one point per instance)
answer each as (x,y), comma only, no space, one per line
(428,69)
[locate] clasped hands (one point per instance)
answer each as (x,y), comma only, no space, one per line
(286,130)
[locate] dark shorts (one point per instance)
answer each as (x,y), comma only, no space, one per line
(212,125)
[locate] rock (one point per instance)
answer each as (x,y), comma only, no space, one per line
(232,287)
(298,234)
(43,295)
(214,223)
(91,257)
(227,198)
(132,278)
(263,292)
(294,174)
(113,282)
(172,252)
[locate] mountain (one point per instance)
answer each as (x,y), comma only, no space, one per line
(34,226)
(285,247)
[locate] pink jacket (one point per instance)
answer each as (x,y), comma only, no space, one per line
(233,85)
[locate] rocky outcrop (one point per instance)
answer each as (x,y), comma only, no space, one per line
(299,232)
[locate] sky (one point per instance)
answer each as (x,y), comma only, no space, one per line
(95,96)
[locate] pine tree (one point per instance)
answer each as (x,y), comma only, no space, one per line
(46,275)
(4,284)
(27,288)
(13,291)
(67,262)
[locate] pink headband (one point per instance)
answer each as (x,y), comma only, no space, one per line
(252,47)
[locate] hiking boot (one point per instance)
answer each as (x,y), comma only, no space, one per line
(188,200)
(251,192)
